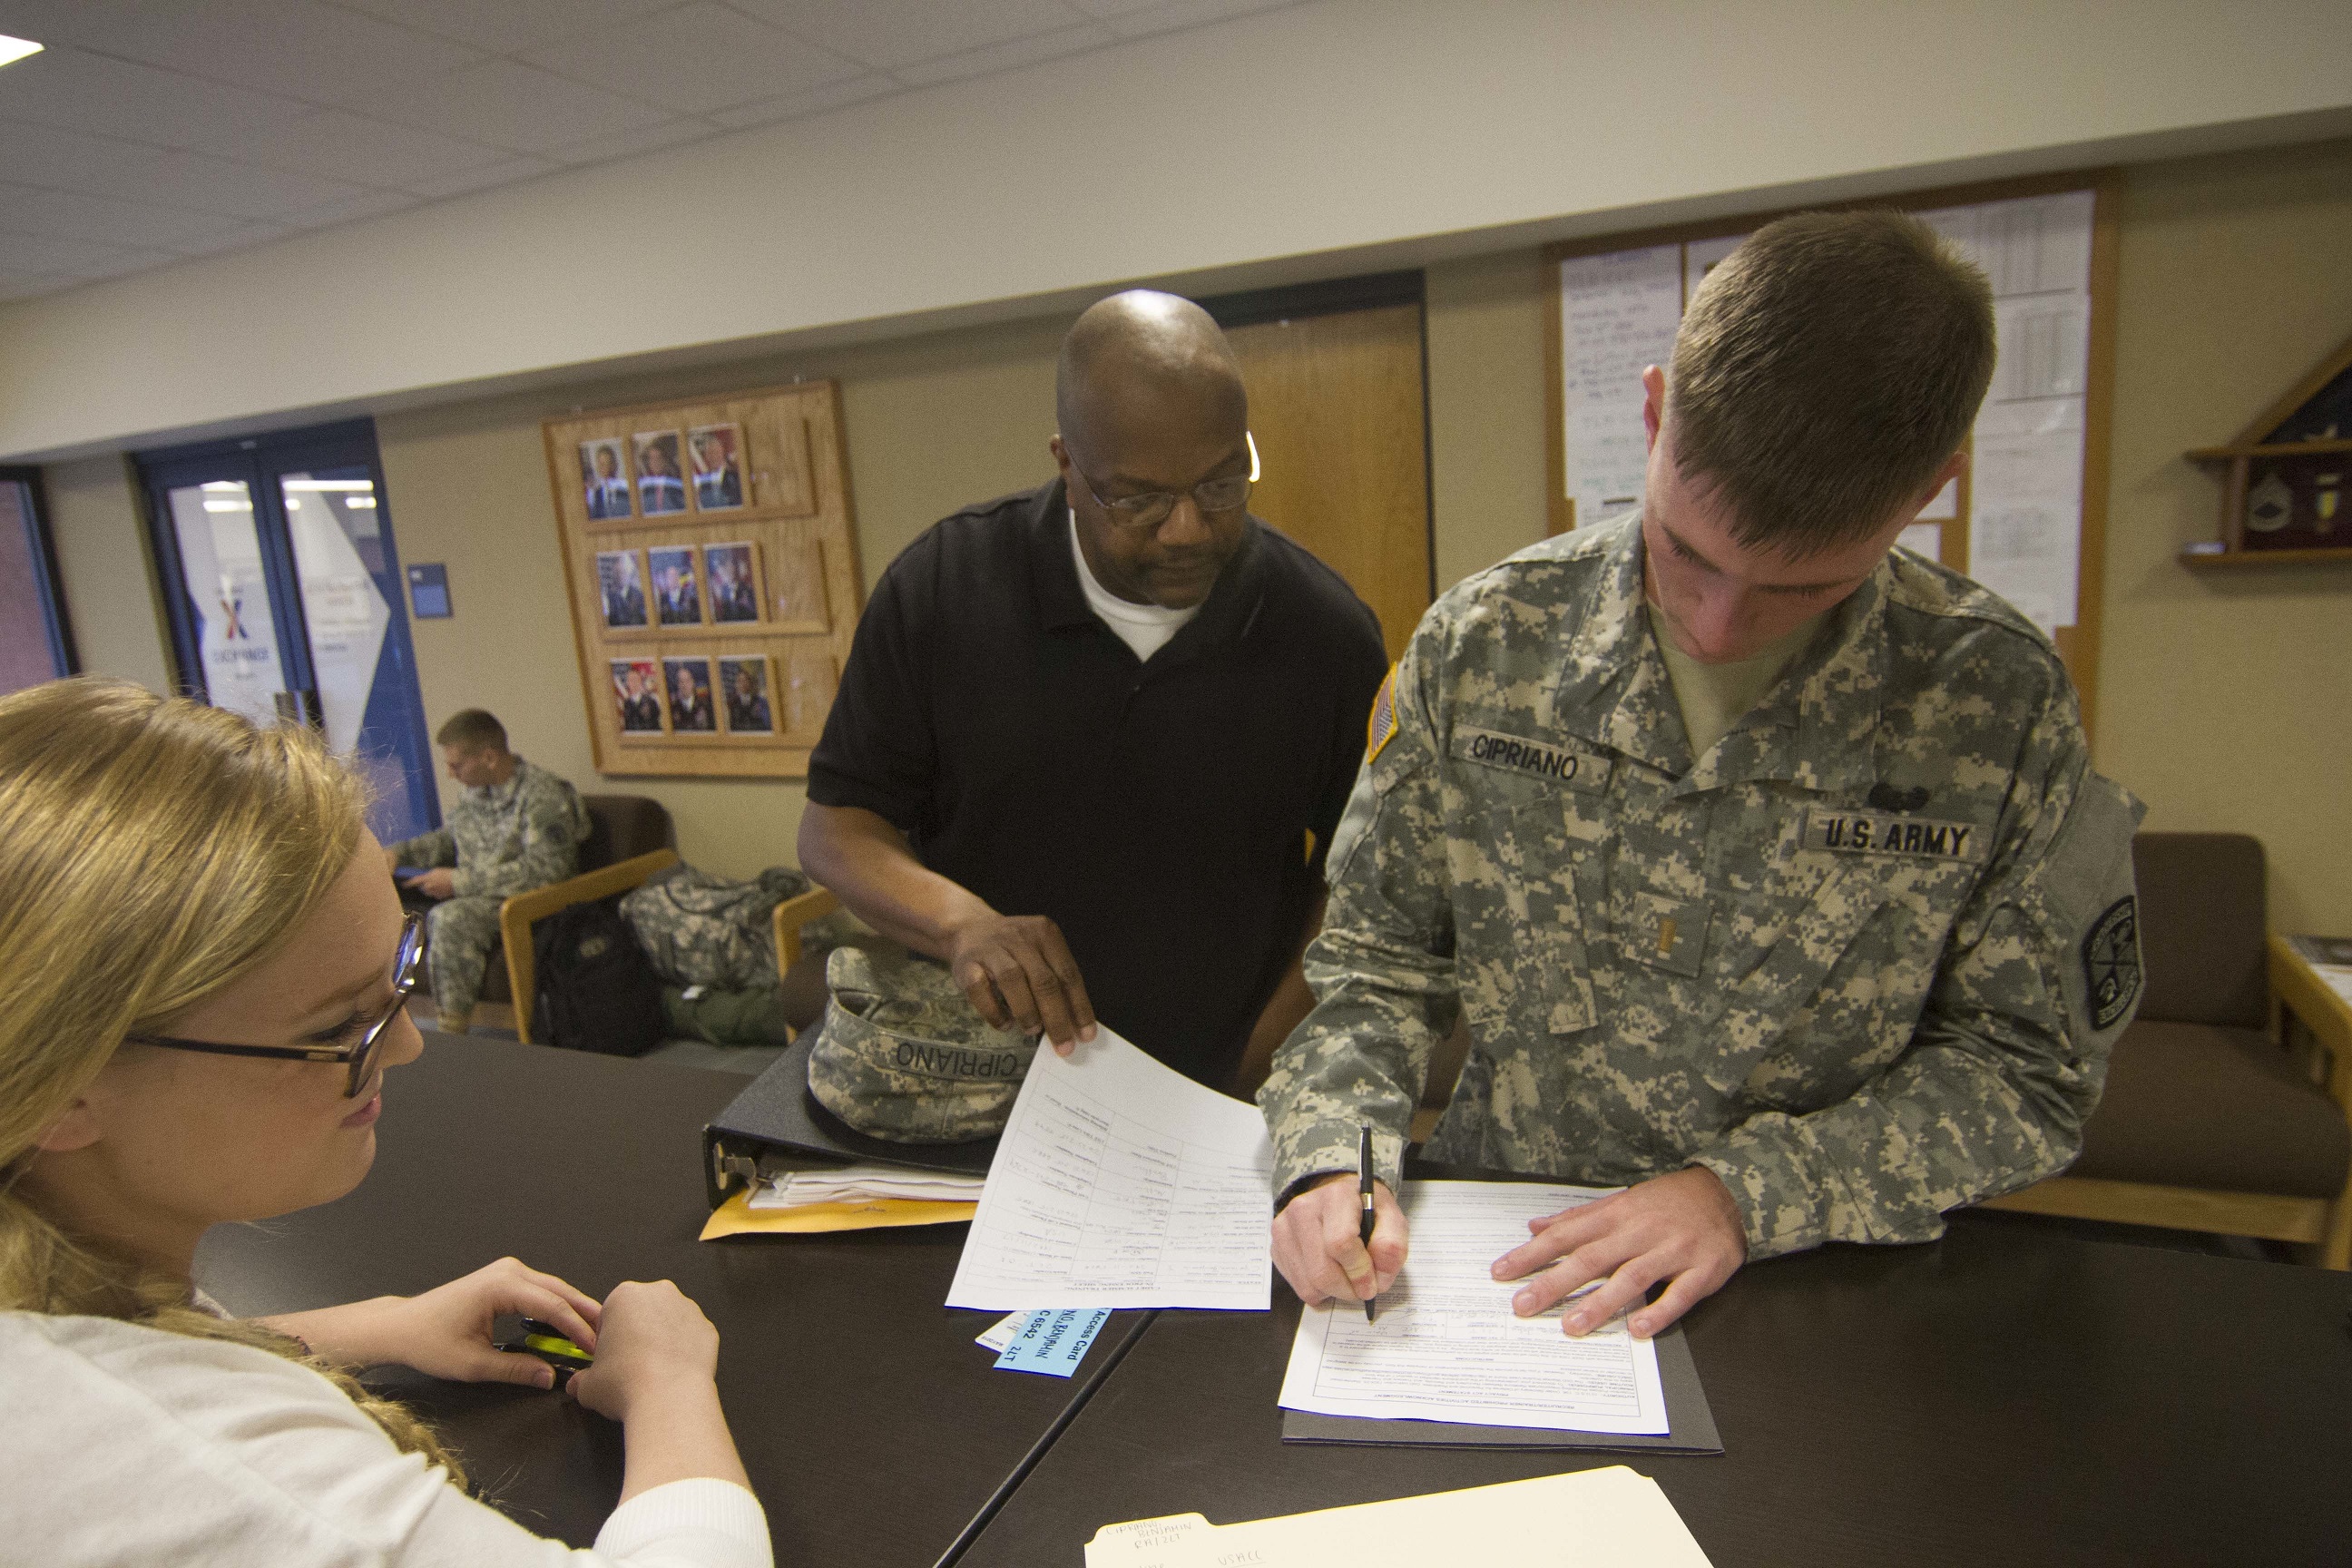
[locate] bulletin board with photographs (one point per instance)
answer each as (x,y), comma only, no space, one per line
(2027,516)
(712,565)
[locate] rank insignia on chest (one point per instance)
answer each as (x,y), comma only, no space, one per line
(1549,760)
(1882,832)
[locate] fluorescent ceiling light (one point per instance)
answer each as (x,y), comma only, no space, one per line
(228,506)
(309,484)
(14,50)
(364,502)
(236,485)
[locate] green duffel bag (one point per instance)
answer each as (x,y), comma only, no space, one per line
(901,1055)
(752,1017)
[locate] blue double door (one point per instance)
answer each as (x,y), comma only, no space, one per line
(283,588)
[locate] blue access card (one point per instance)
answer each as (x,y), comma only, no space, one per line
(1053,1343)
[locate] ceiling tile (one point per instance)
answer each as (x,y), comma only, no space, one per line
(816,100)
(127,261)
(1170,15)
(26,255)
(68,86)
(68,215)
(12,288)
(698,57)
(504,171)
(505,103)
(888,34)
(367,203)
(59,158)
(629,143)
(245,233)
(507,26)
(296,47)
(217,184)
(1008,54)
(346,146)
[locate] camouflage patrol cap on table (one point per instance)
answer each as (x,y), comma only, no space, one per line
(901,1055)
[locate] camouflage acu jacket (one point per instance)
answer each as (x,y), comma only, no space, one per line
(506,838)
(1863,960)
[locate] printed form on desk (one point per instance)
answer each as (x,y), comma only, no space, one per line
(1444,1345)
(1119,1181)
(1608,1517)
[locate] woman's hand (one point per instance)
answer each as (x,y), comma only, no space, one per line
(445,1332)
(654,1373)
(655,1340)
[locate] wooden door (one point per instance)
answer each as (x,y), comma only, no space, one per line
(1340,415)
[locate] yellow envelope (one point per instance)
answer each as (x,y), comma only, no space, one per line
(736,1217)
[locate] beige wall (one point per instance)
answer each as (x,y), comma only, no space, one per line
(102,559)
(2222,700)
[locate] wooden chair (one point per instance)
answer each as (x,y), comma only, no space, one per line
(2228,1098)
(518,914)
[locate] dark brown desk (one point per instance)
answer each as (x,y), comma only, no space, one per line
(872,1426)
(2008,1395)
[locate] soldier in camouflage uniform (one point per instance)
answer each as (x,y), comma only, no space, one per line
(1854,959)
(516,827)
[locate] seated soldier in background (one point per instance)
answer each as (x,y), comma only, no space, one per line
(516,827)
(1093,739)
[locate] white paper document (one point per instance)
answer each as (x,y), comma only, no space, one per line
(865,1184)
(1446,1346)
(1121,1183)
(1608,1517)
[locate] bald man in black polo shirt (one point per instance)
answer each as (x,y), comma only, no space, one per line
(1093,739)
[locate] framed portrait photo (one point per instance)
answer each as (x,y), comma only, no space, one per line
(748,694)
(677,588)
(621,587)
(661,482)
(715,453)
(687,682)
(605,480)
(637,694)
(731,578)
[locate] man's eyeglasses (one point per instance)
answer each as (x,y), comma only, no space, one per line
(407,969)
(1151,509)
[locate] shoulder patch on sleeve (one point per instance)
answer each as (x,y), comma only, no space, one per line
(1383,727)
(2111,971)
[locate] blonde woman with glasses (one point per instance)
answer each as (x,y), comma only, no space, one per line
(203,1004)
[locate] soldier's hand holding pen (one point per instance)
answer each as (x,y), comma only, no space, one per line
(1316,1244)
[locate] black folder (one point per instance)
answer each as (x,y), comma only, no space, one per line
(777,1115)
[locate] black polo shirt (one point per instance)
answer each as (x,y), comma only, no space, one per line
(1157,811)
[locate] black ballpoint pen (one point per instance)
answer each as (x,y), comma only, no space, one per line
(1364,1185)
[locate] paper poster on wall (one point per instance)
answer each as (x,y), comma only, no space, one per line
(2023,520)
(1618,314)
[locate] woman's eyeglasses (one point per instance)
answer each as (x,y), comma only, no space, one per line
(407,968)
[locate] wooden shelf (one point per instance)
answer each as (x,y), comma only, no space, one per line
(2202,560)
(2275,449)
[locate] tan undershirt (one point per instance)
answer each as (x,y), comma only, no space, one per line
(1715,696)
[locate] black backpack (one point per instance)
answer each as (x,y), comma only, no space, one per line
(597,991)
